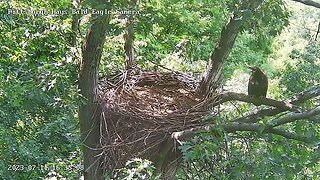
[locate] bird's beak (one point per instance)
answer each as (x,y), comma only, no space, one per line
(250,67)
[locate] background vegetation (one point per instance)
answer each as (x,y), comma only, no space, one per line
(39,98)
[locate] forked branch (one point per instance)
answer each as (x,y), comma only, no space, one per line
(235,127)
(295,100)
(250,122)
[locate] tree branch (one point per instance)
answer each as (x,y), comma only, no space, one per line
(230,96)
(254,127)
(129,39)
(296,116)
(297,99)
(315,38)
(309,3)
(235,126)
(249,123)
(305,95)
(212,75)
(289,135)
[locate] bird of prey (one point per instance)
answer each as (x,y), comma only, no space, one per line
(258,83)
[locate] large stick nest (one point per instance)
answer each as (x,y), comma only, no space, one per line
(140,110)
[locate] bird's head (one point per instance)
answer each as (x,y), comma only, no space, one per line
(254,69)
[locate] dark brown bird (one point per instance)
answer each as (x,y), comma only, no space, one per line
(258,83)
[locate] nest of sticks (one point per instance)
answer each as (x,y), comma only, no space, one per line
(140,111)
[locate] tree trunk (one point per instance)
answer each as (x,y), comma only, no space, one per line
(89,111)
(168,160)
(129,39)
(211,77)
(75,23)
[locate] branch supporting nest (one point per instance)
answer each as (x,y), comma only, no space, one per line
(249,123)
(235,127)
(140,112)
(295,100)
(231,96)
(144,110)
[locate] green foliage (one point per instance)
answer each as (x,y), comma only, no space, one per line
(255,155)
(296,54)
(254,44)
(39,97)
(244,54)
(198,148)
(192,27)
(181,35)
(305,72)
(247,156)
(137,169)
(268,23)
(183,32)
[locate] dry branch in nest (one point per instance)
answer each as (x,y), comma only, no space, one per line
(140,111)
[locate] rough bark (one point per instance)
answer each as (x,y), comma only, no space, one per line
(230,96)
(128,45)
(229,33)
(129,38)
(220,53)
(171,164)
(88,112)
(309,3)
(168,160)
